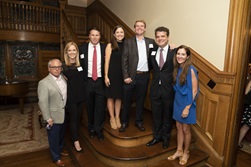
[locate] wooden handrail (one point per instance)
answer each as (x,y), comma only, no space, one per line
(27,16)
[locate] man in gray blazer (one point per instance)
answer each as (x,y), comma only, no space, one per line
(135,73)
(52,93)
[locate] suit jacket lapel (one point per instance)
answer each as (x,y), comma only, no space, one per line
(86,54)
(135,46)
(147,47)
(169,50)
(53,82)
(154,57)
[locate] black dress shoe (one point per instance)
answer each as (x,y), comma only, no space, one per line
(123,127)
(100,136)
(165,144)
(152,142)
(140,127)
(92,133)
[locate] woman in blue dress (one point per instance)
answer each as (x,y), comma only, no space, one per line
(186,88)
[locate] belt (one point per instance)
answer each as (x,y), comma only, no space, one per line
(141,72)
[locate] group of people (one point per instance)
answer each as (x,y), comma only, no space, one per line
(110,75)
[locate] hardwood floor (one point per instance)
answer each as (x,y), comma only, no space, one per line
(86,158)
(43,158)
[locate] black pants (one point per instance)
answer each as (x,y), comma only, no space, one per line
(138,86)
(75,110)
(162,111)
(95,103)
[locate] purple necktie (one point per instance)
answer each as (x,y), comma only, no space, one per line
(161,59)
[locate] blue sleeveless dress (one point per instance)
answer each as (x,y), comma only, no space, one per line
(183,97)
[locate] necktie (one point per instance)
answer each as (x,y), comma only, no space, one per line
(161,59)
(94,65)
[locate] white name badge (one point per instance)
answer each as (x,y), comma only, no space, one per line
(151,45)
(82,56)
(80,69)
(153,53)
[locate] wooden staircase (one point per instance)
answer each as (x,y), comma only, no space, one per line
(128,149)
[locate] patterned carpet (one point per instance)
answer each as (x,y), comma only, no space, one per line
(21,133)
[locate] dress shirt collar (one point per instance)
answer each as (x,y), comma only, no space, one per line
(165,49)
(56,78)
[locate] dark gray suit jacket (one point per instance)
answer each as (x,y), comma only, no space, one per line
(130,56)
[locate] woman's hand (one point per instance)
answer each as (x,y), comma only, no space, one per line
(185,112)
(107,81)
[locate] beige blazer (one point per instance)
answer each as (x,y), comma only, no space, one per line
(51,101)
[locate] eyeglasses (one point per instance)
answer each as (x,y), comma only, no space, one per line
(56,67)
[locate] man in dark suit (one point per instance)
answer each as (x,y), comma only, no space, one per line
(92,58)
(52,95)
(161,90)
(135,73)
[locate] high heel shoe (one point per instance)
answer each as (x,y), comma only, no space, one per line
(118,122)
(183,161)
(76,143)
(176,155)
(240,146)
(113,123)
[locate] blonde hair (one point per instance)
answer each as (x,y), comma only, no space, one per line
(141,21)
(66,57)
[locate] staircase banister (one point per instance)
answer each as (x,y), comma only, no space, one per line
(30,4)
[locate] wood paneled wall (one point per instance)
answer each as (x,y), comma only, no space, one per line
(77,18)
(98,15)
(216,105)
(213,104)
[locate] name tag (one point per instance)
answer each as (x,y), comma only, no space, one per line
(80,69)
(153,53)
(150,45)
(82,56)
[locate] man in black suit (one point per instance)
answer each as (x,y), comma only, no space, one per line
(135,73)
(92,58)
(161,90)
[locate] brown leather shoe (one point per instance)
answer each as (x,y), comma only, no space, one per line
(60,163)
(64,154)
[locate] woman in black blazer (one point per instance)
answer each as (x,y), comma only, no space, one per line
(75,89)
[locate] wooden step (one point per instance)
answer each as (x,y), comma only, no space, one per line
(128,149)
(197,159)
(85,158)
(115,155)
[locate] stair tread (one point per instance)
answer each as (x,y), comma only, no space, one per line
(196,156)
(80,157)
(108,149)
(131,132)
(110,153)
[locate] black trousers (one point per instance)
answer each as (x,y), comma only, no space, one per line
(75,110)
(95,103)
(162,111)
(138,87)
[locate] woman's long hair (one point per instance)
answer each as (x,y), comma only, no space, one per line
(66,57)
(114,42)
(185,66)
